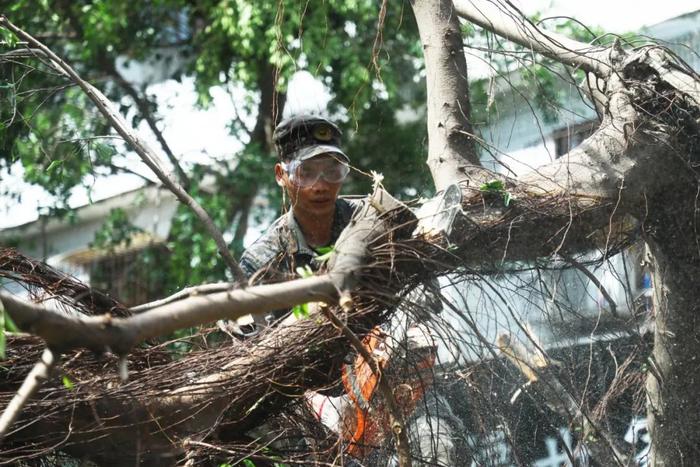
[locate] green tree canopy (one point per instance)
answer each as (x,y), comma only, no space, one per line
(50,132)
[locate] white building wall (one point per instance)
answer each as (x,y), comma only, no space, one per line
(59,241)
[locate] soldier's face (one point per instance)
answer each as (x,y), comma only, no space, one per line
(316,199)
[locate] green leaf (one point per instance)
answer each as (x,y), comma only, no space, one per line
(7,38)
(507,198)
(6,324)
(10,325)
(305,271)
(497,187)
(54,165)
(493,186)
(324,252)
(248,463)
(301,310)
(2,332)
(67,383)
(104,152)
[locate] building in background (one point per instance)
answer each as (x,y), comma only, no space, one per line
(70,243)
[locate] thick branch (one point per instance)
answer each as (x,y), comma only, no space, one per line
(503,19)
(66,331)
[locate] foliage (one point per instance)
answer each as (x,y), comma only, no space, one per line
(46,125)
(302,310)
(67,382)
(497,188)
(116,231)
(48,132)
(6,325)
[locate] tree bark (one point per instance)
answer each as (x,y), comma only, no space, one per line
(619,166)
(451,148)
(674,368)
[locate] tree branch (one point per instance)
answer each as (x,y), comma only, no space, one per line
(182,294)
(31,384)
(65,331)
(538,368)
(608,298)
(142,105)
(149,157)
(502,18)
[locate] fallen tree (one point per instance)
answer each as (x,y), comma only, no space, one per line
(600,193)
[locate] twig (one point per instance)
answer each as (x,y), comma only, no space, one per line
(596,282)
(142,105)
(32,382)
(253,456)
(398,426)
(536,367)
(511,24)
(149,157)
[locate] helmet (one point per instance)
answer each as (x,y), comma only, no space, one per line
(302,137)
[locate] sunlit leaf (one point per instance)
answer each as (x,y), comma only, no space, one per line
(67,383)
(55,164)
(300,311)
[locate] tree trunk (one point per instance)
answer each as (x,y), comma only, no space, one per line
(673,404)
(451,148)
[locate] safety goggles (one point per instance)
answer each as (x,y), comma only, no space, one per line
(306,173)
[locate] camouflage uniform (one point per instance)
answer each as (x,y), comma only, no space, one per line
(283,248)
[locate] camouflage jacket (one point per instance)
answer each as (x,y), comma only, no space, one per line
(277,254)
(283,248)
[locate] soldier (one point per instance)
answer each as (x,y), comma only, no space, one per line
(311,170)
